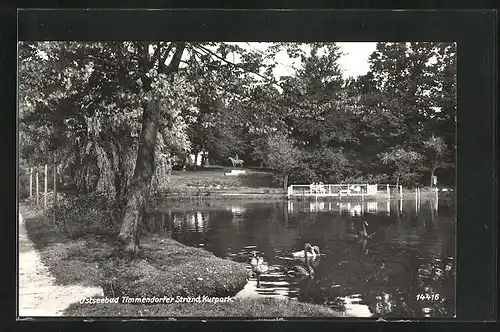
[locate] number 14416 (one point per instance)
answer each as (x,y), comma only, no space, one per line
(427,297)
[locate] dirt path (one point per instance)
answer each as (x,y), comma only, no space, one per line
(38,295)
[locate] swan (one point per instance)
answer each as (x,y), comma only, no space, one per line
(258,267)
(299,270)
(309,250)
(363,233)
(315,252)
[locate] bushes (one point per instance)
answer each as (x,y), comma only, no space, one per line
(368,178)
(24,179)
(326,165)
(80,215)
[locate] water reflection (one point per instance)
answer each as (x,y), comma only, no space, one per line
(353,208)
(411,250)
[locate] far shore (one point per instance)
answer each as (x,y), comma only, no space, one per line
(279,194)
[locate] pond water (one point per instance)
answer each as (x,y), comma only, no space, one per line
(411,252)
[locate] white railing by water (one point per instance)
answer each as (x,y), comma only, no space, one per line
(325,190)
(384,191)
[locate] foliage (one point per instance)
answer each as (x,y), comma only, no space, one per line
(84,103)
(98,106)
(24,178)
(403,162)
(281,155)
(435,148)
(78,216)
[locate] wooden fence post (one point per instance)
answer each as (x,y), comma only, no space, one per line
(36,186)
(437,199)
(31,182)
(45,191)
(55,186)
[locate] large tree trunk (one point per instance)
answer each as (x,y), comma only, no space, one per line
(139,189)
(137,202)
(203,157)
(196,155)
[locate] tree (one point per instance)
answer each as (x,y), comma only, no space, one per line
(313,99)
(403,162)
(89,109)
(435,152)
(408,95)
(281,156)
(139,189)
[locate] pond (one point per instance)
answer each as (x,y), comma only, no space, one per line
(406,269)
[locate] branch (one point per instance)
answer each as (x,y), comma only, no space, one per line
(163,58)
(156,56)
(268,79)
(176,59)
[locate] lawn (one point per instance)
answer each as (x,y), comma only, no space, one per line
(253,178)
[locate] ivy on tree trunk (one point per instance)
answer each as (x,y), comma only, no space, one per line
(139,189)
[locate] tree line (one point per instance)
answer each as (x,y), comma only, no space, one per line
(119,115)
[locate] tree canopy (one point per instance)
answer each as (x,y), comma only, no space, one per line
(85,101)
(95,104)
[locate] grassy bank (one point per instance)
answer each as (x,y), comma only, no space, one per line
(163,266)
(265,307)
(79,247)
(215,185)
(253,178)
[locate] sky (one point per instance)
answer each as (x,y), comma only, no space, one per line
(355,60)
(353,63)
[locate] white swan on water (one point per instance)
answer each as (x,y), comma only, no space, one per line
(311,252)
(258,266)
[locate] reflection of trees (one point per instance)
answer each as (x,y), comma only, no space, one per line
(407,256)
(413,259)
(427,270)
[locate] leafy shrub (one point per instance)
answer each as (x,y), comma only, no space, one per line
(86,214)
(367,178)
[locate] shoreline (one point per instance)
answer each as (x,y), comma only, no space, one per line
(242,195)
(80,266)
